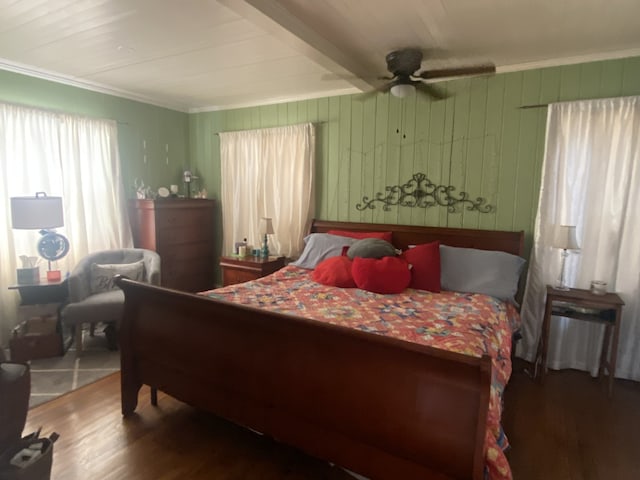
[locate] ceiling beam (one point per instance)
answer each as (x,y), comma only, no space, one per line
(278,21)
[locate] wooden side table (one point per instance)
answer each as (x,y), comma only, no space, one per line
(583,305)
(42,292)
(243,269)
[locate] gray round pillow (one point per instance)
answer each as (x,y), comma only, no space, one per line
(371,248)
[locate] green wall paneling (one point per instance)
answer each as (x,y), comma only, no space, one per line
(379,154)
(477,140)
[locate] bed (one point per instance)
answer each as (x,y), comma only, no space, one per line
(380,406)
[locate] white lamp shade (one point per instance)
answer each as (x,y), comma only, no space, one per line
(266,227)
(39,212)
(565,237)
(401,90)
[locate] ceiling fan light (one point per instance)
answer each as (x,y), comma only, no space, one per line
(401,90)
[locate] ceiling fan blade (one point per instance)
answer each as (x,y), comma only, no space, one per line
(458,71)
(332,77)
(431,90)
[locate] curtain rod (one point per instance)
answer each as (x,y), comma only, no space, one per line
(539,105)
(266,128)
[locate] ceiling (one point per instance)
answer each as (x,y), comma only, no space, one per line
(198,55)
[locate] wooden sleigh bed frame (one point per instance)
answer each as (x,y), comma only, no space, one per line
(381,407)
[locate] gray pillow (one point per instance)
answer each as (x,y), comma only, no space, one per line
(101,279)
(320,246)
(371,248)
(480,271)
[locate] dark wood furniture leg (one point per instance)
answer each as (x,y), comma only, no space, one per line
(614,349)
(604,354)
(154,396)
(543,344)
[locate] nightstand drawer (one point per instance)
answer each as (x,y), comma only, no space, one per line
(232,276)
(244,269)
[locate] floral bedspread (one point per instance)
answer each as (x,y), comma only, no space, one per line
(472,324)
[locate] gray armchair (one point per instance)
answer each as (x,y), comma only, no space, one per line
(93,298)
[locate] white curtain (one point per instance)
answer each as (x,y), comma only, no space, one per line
(72,157)
(591,179)
(268,173)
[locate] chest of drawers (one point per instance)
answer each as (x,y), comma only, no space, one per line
(182,232)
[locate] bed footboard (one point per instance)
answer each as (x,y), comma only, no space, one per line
(380,407)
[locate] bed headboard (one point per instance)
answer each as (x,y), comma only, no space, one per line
(405,235)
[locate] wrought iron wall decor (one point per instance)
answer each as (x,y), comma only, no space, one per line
(422,192)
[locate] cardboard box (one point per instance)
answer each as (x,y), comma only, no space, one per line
(38,333)
(24,346)
(45,325)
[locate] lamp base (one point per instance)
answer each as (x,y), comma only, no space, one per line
(562,284)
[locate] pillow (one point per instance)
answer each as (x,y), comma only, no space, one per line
(384,275)
(480,271)
(387,236)
(371,248)
(101,279)
(335,272)
(425,266)
(319,246)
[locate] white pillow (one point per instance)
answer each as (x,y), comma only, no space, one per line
(101,279)
(320,246)
(480,271)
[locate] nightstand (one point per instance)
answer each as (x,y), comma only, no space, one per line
(583,305)
(243,269)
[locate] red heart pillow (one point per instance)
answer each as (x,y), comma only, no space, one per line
(425,270)
(381,275)
(335,272)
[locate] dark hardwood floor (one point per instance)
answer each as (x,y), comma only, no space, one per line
(569,429)
(565,429)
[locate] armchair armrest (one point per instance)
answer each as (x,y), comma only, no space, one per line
(152,267)
(79,281)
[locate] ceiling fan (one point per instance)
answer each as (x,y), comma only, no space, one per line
(405,64)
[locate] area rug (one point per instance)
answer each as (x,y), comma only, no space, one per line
(55,376)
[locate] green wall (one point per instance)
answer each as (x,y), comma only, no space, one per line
(138,124)
(477,140)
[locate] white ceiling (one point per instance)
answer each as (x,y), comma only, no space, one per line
(195,55)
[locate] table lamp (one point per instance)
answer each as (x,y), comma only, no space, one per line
(42,213)
(266,228)
(565,239)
